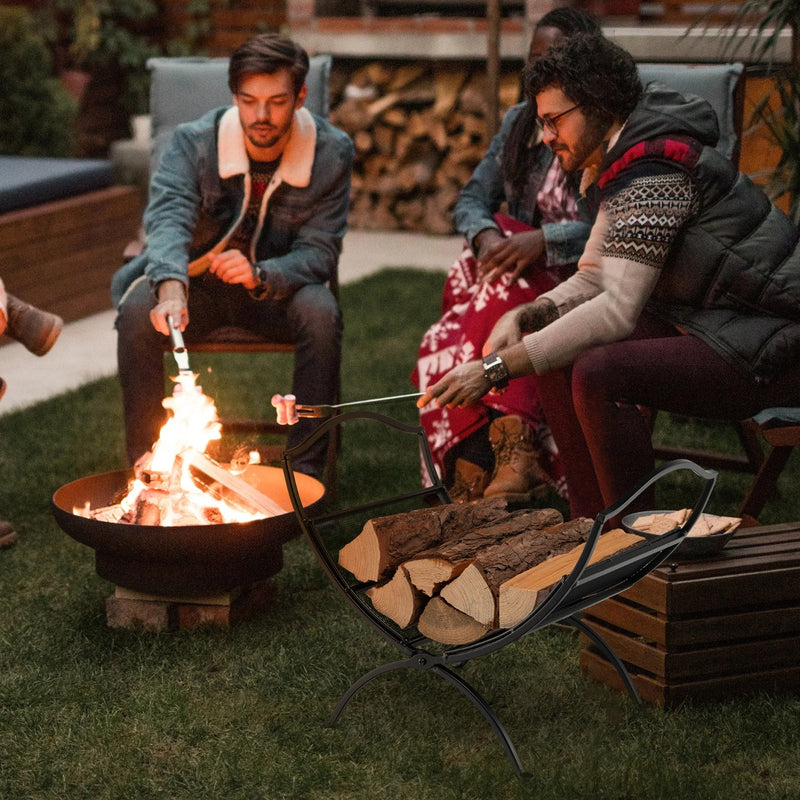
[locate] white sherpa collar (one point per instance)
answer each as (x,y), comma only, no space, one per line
(298,155)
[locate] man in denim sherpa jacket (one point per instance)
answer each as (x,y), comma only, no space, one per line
(244,225)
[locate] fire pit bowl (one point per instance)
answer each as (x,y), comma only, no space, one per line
(184,560)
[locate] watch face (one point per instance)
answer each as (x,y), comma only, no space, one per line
(495,370)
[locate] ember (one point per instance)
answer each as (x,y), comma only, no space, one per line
(176,483)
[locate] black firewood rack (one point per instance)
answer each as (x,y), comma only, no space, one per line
(586,585)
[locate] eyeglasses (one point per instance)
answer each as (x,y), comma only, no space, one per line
(549,123)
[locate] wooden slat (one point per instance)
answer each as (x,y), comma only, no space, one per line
(729,592)
(739,658)
(657,693)
(687,633)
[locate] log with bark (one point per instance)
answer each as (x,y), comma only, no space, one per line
(386,542)
(430,569)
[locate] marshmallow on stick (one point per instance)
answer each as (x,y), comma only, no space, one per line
(285,408)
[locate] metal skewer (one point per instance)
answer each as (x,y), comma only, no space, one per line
(327,410)
(179,351)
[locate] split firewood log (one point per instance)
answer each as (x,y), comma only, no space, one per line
(386,542)
(384,137)
(362,141)
(398,599)
(395,117)
(477,587)
(520,595)
(405,75)
(351,115)
(442,623)
(447,82)
(411,213)
(474,97)
(510,91)
(431,569)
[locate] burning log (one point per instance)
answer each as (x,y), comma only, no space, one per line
(520,595)
(254,499)
(386,542)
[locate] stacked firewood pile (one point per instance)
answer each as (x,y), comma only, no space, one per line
(419,131)
(460,571)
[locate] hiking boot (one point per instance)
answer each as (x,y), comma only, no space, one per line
(36,329)
(8,535)
(469,482)
(517,476)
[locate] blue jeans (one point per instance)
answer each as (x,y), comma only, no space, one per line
(310,319)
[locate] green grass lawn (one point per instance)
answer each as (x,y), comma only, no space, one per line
(91,712)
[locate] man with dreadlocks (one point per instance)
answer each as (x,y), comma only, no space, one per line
(686,298)
(501,446)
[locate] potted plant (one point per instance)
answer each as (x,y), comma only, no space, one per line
(112,38)
(36,113)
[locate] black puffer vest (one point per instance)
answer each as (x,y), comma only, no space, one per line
(732,276)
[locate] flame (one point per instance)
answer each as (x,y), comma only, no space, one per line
(194,423)
(164,491)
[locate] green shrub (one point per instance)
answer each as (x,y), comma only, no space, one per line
(36,112)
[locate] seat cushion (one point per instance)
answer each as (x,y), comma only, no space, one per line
(716,83)
(27,181)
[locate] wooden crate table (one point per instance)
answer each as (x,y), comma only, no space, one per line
(711,627)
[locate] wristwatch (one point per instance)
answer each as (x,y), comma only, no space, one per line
(495,370)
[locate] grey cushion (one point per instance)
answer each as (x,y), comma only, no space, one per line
(30,181)
(183,89)
(716,83)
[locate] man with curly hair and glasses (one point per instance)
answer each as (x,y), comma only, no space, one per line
(687,295)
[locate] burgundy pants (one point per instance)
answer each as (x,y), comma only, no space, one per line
(597,408)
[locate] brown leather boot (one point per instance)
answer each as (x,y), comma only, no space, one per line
(517,475)
(469,482)
(36,329)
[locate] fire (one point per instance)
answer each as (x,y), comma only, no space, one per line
(176,483)
(194,423)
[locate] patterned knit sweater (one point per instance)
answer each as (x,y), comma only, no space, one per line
(680,232)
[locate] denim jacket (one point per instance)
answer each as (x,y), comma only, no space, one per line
(486,191)
(200,191)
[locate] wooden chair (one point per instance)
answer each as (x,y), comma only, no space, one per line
(780,429)
(182,89)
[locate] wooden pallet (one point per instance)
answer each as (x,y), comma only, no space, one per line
(708,628)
